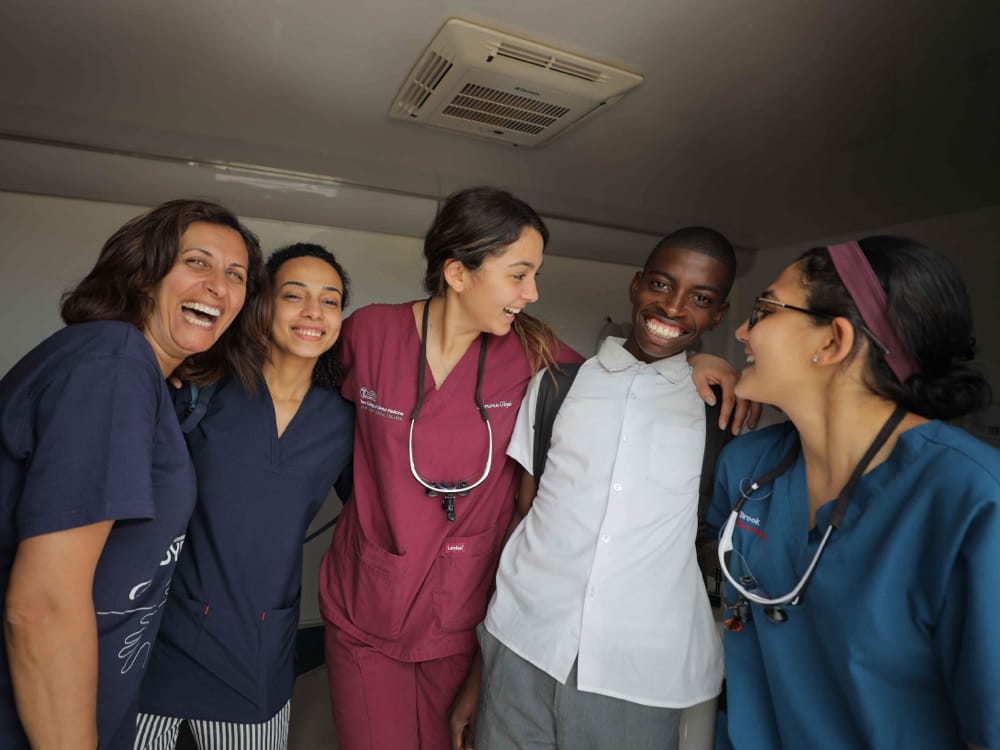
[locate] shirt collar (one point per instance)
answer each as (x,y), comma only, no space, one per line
(614,357)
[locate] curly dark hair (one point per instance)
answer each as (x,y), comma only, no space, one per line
(329,370)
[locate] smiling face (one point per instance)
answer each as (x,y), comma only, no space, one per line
(780,346)
(308,295)
(497,291)
(200,296)
(677,297)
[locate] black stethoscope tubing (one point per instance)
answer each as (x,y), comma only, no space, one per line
(464,487)
(793,597)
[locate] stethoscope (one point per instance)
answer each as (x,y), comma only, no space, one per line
(774,606)
(449,490)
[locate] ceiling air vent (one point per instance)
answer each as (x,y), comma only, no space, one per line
(489,84)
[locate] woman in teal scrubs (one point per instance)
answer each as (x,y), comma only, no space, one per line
(864,621)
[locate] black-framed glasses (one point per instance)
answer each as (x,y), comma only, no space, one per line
(758,308)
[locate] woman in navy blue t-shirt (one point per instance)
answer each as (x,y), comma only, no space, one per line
(265,462)
(96,486)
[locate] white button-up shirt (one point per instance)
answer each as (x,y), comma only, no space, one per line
(603,567)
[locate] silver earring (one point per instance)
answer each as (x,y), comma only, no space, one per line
(815,359)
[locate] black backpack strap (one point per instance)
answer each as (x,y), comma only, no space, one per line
(192,404)
(715,441)
(552,391)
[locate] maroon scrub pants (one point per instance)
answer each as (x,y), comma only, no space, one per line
(379,702)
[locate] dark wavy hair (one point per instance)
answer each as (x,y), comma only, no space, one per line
(474,224)
(930,312)
(140,254)
(329,371)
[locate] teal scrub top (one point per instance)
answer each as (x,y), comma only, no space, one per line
(893,644)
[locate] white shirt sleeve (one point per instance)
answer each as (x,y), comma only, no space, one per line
(522,442)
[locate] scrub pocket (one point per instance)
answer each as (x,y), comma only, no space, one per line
(276,659)
(463,573)
(221,642)
(372,597)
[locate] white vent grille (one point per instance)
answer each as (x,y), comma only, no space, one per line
(492,85)
(550,62)
(421,85)
(503,110)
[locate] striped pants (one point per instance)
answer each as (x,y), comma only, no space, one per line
(160,733)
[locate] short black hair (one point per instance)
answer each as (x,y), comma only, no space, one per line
(702,240)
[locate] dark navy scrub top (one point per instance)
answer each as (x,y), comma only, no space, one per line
(894,644)
(227,646)
(88,433)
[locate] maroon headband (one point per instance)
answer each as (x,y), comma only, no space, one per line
(862,284)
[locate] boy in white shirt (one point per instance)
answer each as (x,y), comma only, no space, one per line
(600,630)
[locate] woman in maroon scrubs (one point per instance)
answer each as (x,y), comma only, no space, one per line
(437,384)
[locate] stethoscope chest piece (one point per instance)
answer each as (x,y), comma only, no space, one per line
(448,492)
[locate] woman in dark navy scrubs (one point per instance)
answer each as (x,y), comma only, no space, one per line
(265,462)
(96,486)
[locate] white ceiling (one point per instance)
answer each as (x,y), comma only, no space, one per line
(775,121)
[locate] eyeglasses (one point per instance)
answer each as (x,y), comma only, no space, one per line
(758,308)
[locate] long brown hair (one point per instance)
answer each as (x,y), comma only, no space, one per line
(474,224)
(141,253)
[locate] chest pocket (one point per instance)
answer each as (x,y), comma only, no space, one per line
(675,457)
(463,573)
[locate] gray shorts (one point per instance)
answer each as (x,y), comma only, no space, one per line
(523,708)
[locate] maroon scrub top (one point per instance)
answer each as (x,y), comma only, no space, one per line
(398,575)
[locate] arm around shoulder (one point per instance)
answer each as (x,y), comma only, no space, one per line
(711,370)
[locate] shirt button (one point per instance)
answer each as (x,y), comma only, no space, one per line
(590,591)
(624,438)
(616,487)
(605,539)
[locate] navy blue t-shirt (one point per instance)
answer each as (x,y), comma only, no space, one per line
(226,648)
(88,434)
